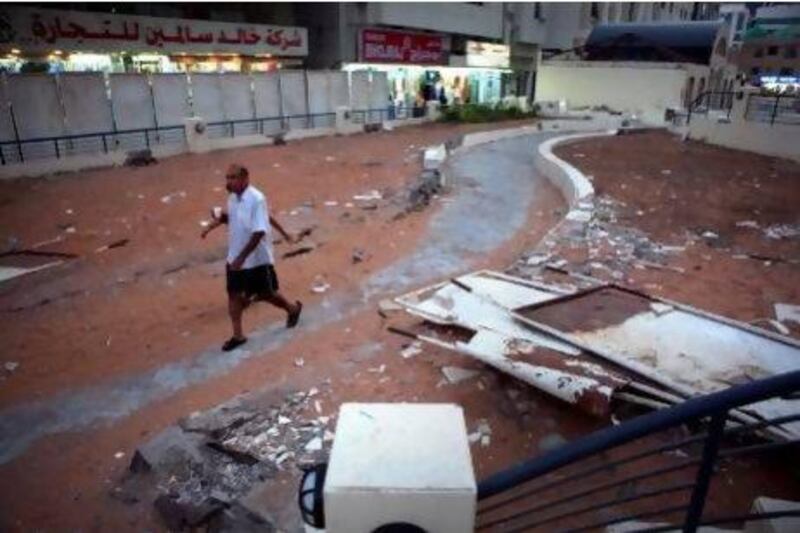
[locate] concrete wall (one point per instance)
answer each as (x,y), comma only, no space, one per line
(267,98)
(85,103)
(646,90)
(41,116)
(132,101)
(484,20)
(293,90)
(207,97)
(359,90)
(170,94)
(780,140)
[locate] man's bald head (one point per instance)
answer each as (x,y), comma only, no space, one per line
(237,178)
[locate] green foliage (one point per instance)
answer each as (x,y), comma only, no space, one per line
(474,113)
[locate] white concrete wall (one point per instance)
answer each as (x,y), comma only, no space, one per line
(780,140)
(293,90)
(170,92)
(237,96)
(39,116)
(207,97)
(485,20)
(6,125)
(85,103)
(132,101)
(646,90)
(268,100)
(359,90)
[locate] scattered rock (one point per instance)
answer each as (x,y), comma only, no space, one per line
(787,313)
(359,255)
(299,362)
(11,366)
(415,348)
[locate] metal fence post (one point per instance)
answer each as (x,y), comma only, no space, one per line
(703,479)
(16,132)
(775,110)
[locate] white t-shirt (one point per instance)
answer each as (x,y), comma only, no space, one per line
(246,215)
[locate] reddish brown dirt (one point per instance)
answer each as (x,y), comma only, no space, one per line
(707,188)
(114,314)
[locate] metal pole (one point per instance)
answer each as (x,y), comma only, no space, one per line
(703,479)
(280,101)
(309,118)
(775,110)
(16,132)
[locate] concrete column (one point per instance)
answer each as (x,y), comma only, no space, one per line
(197,139)
(432,110)
(343,122)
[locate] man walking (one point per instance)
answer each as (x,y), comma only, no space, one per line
(249,270)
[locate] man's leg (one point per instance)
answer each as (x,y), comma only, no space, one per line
(292,310)
(236,304)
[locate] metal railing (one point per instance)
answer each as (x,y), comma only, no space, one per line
(642,474)
(719,101)
(777,109)
(372,116)
(22,150)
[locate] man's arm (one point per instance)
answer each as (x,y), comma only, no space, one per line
(217,222)
(255,238)
(275,224)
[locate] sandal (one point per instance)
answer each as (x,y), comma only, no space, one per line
(291,320)
(233,343)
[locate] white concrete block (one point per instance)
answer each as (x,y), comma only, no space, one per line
(434,157)
(400,463)
(763,504)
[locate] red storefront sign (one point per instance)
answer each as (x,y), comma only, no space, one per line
(383,46)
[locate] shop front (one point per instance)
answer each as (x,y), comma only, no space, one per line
(48,40)
(420,67)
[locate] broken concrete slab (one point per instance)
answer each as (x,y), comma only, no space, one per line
(171,447)
(787,313)
(455,375)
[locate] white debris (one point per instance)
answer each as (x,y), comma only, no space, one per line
(485,440)
(537,259)
(368,196)
(329,436)
(787,313)
(660,308)
(377,370)
(299,362)
(710,235)
(331,203)
(747,224)
(11,366)
(666,172)
(782,231)
(70,229)
(474,437)
(415,348)
(276,165)
(282,420)
(455,374)
(119,455)
(204,223)
(320,286)
(783,330)
(69,211)
(578,215)
(330,158)
(314,445)
(388,306)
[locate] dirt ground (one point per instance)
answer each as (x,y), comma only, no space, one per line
(160,298)
(676,191)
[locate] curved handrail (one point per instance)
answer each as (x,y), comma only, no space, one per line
(693,409)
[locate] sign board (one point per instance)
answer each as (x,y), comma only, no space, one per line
(389,46)
(488,55)
(45,30)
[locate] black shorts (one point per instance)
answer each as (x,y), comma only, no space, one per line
(260,280)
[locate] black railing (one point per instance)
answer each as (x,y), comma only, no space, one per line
(774,109)
(22,150)
(371,116)
(269,125)
(720,101)
(653,480)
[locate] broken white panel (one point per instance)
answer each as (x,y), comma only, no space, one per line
(448,304)
(700,352)
(787,313)
(434,157)
(7,273)
(492,348)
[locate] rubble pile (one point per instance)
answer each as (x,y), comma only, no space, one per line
(200,472)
